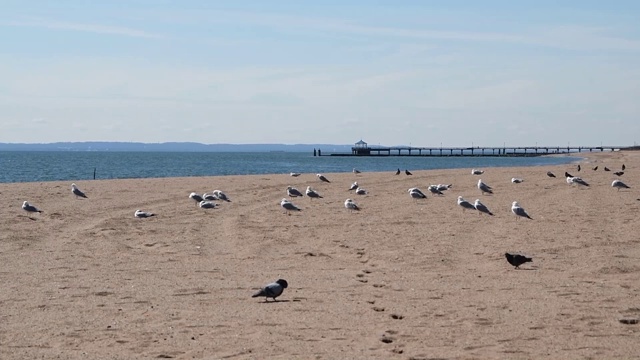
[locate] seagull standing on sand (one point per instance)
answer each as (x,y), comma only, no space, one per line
(195,197)
(356,171)
(619,185)
(434,190)
(482,208)
(516,180)
(294,174)
(443,187)
(312,194)
(416,194)
(361,191)
(576,180)
(143,214)
(77,192)
(606,169)
(519,211)
(323,178)
(288,206)
(477,172)
(484,188)
(550,174)
(578,167)
(30,208)
(354,186)
(272,290)
(351,206)
(517,259)
(293,192)
(407,172)
(465,204)
(398,172)
(595,168)
(623,167)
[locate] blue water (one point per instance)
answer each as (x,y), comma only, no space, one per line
(26,166)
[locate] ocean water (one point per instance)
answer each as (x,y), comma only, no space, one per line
(27,166)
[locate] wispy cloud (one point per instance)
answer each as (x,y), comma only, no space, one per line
(82,27)
(558,36)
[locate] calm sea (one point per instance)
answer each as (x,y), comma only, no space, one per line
(18,166)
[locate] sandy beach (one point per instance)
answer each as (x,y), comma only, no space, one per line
(400,279)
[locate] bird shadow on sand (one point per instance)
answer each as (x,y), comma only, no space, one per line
(274,302)
(28,217)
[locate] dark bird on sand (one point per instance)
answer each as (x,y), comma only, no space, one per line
(566,174)
(398,172)
(623,167)
(606,169)
(595,168)
(618,173)
(272,290)
(77,192)
(578,167)
(550,174)
(517,259)
(408,172)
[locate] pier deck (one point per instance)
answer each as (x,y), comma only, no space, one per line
(513,151)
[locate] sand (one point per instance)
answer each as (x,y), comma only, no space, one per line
(398,280)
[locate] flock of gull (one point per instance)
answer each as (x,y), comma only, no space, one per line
(207,200)
(273,290)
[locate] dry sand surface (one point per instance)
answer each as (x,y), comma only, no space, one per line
(398,280)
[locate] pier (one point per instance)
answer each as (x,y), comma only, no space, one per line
(362,149)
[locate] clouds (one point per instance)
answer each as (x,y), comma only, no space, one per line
(304,74)
(82,27)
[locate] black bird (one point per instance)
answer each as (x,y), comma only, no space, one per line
(606,169)
(550,174)
(618,173)
(408,172)
(578,167)
(566,174)
(595,168)
(272,290)
(398,172)
(623,167)
(517,259)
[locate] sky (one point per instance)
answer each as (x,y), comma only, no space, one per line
(419,73)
